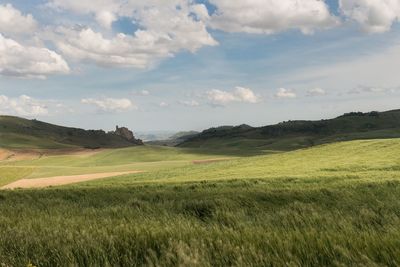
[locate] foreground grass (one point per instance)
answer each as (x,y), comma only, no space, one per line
(334,205)
(202,224)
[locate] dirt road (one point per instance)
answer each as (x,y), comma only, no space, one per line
(62,180)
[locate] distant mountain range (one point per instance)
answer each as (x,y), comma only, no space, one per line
(22,133)
(291,135)
(175,139)
(148,136)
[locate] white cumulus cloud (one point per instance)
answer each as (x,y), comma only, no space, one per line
(245,95)
(106,18)
(285,93)
(240,94)
(28,61)
(110,104)
(271,16)
(12,21)
(105,12)
(141,50)
(23,106)
(165,29)
(219,97)
(374,16)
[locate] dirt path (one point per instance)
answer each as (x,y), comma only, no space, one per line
(62,180)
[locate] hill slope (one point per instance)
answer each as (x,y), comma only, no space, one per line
(175,139)
(22,133)
(299,134)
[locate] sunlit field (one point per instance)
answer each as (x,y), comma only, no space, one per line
(330,205)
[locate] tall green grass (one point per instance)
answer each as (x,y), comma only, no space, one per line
(235,223)
(334,205)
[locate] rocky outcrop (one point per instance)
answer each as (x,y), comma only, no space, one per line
(127,134)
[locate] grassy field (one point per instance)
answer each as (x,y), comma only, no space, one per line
(143,158)
(331,205)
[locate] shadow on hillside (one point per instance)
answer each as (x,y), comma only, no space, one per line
(229,152)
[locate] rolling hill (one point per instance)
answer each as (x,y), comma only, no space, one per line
(28,134)
(22,133)
(291,135)
(175,139)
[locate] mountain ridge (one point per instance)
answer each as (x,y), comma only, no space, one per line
(296,134)
(18,132)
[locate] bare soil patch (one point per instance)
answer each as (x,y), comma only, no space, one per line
(4,154)
(62,180)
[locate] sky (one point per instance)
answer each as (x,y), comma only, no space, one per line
(175,65)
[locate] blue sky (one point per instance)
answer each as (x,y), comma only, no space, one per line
(157,67)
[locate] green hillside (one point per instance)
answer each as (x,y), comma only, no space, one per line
(22,133)
(291,135)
